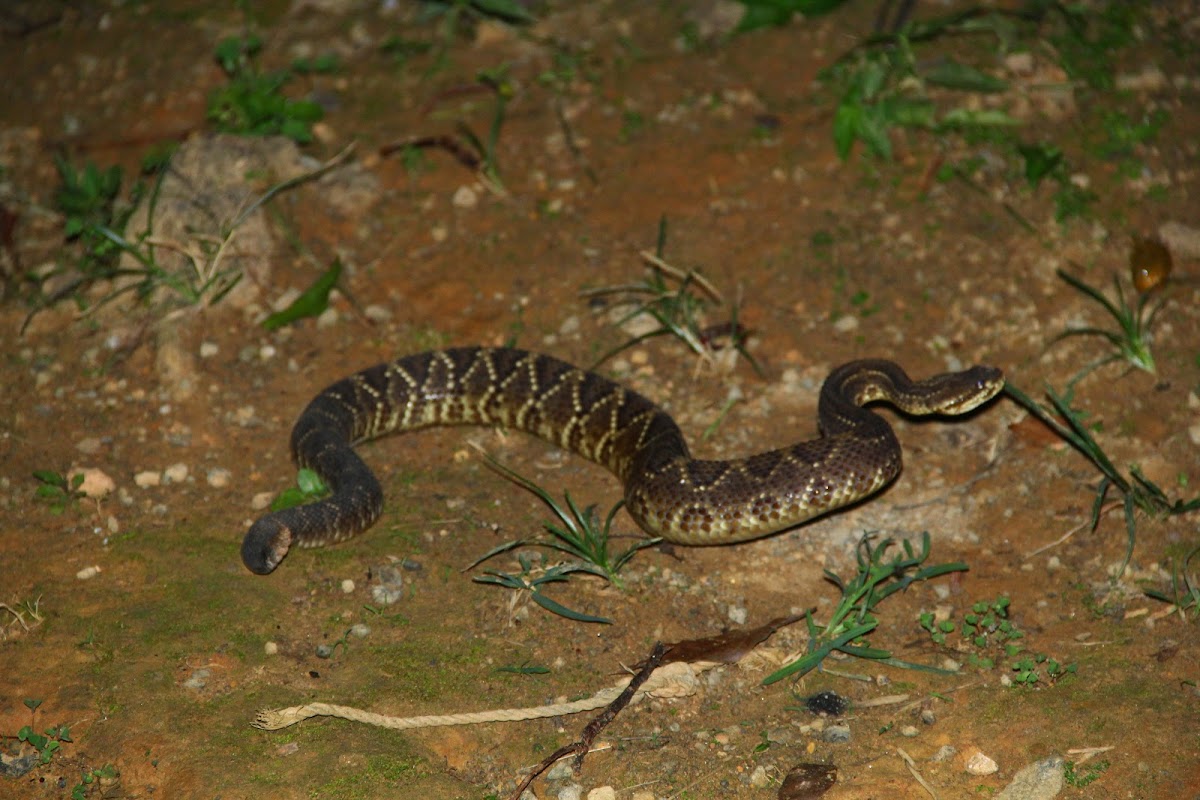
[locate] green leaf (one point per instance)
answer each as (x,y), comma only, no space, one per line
(955,75)
(557,608)
(508,10)
(311,303)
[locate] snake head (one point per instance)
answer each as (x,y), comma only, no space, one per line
(973,388)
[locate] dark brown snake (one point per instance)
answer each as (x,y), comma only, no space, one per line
(668,493)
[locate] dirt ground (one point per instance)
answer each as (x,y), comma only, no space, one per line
(133,621)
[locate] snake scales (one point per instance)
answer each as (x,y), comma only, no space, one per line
(668,493)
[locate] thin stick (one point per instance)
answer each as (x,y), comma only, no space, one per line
(912,767)
(593,728)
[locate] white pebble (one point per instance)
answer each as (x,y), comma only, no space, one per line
(261,500)
(738,615)
(979,764)
(377,313)
(209,349)
(147,478)
(602,793)
(219,477)
(846,324)
(266,352)
(270,648)
(176,473)
(464,197)
(348,586)
(87,573)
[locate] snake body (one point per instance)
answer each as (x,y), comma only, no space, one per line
(667,492)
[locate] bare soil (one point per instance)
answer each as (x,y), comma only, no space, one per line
(134,621)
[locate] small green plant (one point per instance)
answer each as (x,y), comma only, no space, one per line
(884,85)
(1031,669)
(877,578)
(531,581)
(309,487)
(1073,775)
(57,489)
(577,533)
(93,778)
(985,633)
(1138,492)
(1131,339)
(677,301)
(46,744)
(252,103)
(1185,590)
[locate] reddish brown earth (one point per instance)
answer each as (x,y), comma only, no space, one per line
(159,660)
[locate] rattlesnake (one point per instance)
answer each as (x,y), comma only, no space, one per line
(667,492)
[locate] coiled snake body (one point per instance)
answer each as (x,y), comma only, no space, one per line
(668,493)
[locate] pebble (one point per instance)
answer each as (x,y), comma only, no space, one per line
(738,615)
(979,764)
(270,648)
(602,793)
(261,501)
(464,197)
(944,753)
(390,588)
(198,679)
(759,778)
(87,573)
(1041,780)
(360,630)
(176,473)
(909,731)
(561,771)
(89,445)
(572,791)
(377,313)
(347,586)
(209,349)
(836,734)
(218,477)
(846,324)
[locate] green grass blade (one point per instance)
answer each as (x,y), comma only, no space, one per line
(562,611)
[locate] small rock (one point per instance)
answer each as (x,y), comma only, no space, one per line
(738,615)
(262,501)
(572,791)
(347,586)
(909,731)
(377,313)
(360,630)
(602,793)
(270,648)
(176,473)
(836,734)
(218,477)
(979,764)
(147,478)
(1041,780)
(198,679)
(927,716)
(87,573)
(465,197)
(390,588)
(846,324)
(944,753)
(209,349)
(561,771)
(759,778)
(89,445)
